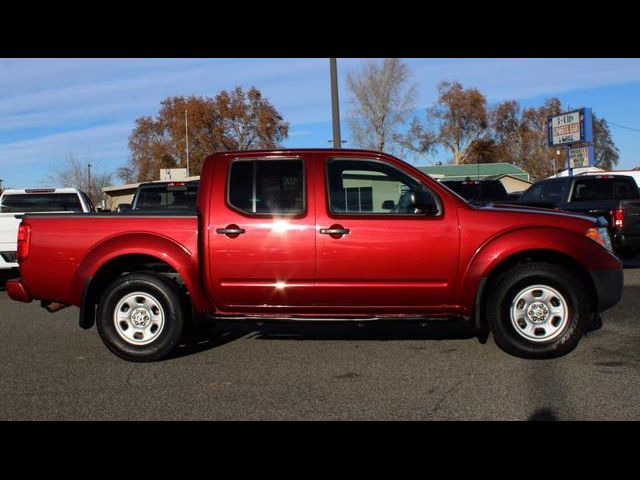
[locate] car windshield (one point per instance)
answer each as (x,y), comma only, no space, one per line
(40,202)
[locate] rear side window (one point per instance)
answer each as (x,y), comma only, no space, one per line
(41,202)
(273,187)
(604,189)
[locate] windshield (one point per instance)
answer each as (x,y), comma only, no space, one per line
(40,202)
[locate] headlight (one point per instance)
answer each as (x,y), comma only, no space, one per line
(601,236)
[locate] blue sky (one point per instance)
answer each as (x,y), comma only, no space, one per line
(52,107)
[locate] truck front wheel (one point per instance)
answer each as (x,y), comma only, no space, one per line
(538,310)
(140,317)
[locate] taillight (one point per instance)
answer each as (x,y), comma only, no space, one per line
(617,218)
(24,242)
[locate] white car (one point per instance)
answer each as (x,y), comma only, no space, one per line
(15,203)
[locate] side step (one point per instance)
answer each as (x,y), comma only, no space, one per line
(326,319)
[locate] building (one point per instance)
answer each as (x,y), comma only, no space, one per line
(577,171)
(512,183)
(117,194)
(513,178)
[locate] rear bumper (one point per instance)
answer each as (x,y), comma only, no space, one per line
(8,258)
(17,291)
(630,243)
(608,286)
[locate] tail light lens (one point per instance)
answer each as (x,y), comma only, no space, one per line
(24,242)
(617,218)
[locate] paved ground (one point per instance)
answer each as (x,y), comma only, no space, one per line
(50,369)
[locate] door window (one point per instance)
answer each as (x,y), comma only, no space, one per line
(272,187)
(371,187)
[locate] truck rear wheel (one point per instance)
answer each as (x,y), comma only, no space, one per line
(538,310)
(140,317)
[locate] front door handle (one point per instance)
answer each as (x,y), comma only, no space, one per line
(336,231)
(231,231)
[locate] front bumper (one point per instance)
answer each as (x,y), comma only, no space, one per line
(17,291)
(608,285)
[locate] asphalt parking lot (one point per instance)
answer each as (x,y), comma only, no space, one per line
(52,370)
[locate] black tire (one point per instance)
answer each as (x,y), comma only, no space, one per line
(506,288)
(165,295)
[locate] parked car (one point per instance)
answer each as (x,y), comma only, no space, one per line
(307,235)
(479,191)
(15,203)
(614,197)
(163,196)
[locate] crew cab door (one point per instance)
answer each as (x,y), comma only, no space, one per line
(373,248)
(261,233)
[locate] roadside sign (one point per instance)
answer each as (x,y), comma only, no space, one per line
(570,127)
(581,157)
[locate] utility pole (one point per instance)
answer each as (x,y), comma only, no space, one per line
(89,180)
(335,110)
(186,127)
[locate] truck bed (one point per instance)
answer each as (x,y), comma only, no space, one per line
(58,265)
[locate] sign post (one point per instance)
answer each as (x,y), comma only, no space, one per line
(572,127)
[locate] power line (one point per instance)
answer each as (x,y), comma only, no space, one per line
(622,126)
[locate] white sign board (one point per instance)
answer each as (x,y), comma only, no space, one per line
(579,157)
(168,174)
(565,128)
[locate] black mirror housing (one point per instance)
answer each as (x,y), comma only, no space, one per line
(424,202)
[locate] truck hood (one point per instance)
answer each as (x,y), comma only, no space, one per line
(600,221)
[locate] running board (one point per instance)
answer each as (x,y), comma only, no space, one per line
(334,319)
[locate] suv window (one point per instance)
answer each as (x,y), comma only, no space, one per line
(366,186)
(267,186)
(41,202)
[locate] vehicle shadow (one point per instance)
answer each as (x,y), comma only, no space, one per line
(221,333)
(543,415)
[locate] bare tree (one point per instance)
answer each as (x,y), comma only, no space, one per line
(73,172)
(380,100)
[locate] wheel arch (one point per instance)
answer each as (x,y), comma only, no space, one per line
(533,255)
(136,252)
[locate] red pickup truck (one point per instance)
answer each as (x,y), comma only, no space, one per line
(320,234)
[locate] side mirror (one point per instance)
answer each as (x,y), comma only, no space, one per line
(123,207)
(423,202)
(388,205)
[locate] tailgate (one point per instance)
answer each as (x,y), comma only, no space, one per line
(631,210)
(9,230)
(597,208)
